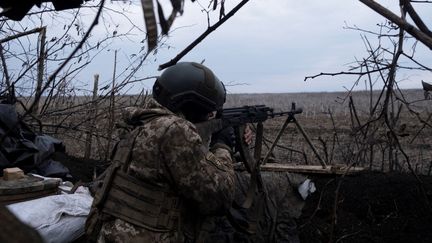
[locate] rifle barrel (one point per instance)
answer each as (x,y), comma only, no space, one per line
(253,114)
(257,108)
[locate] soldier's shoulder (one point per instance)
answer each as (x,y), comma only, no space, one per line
(177,124)
(168,127)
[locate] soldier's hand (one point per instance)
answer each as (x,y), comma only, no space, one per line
(225,136)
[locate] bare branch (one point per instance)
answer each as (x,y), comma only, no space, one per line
(416,18)
(203,36)
(344,73)
(20,35)
(418,34)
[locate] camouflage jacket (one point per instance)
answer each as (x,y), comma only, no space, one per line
(169,151)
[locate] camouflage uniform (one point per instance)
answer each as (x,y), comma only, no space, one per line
(168,151)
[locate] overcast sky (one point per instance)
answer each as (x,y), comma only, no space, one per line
(269,45)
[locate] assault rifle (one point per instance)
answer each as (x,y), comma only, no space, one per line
(239,117)
(253,114)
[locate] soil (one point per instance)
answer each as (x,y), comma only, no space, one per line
(371,207)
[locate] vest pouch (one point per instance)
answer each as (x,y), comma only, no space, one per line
(146,205)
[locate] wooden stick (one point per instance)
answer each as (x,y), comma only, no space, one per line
(41,62)
(111,111)
(93,111)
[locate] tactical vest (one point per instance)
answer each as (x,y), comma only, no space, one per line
(122,196)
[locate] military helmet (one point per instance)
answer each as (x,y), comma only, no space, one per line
(189,85)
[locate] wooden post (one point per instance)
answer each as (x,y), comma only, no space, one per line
(111,109)
(41,61)
(93,113)
(5,72)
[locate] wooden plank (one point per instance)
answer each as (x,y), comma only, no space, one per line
(306,169)
(8,199)
(27,184)
(312,169)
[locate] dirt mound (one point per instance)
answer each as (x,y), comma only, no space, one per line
(371,207)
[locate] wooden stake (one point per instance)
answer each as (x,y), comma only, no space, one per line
(93,113)
(41,61)
(112,108)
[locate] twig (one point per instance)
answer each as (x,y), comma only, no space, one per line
(53,76)
(343,73)
(20,35)
(203,36)
(348,236)
(402,23)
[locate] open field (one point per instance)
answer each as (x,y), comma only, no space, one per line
(327,118)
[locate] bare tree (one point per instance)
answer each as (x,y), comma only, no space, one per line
(44,53)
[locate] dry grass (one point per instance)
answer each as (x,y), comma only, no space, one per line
(334,138)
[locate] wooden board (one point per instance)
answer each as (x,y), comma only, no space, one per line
(312,169)
(27,184)
(27,188)
(14,198)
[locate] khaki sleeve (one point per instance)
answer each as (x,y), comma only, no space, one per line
(203,177)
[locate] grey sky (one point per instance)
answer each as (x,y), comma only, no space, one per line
(271,45)
(268,46)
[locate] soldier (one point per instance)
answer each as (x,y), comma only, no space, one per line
(164,180)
